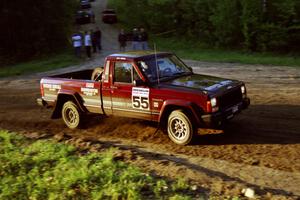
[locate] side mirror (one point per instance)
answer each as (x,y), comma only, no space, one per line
(138,82)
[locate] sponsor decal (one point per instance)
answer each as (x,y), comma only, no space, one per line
(52,87)
(155,104)
(89,85)
(89,91)
(140,98)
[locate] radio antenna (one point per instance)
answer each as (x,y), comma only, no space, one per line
(157,70)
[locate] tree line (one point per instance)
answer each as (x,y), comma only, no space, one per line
(252,25)
(30,27)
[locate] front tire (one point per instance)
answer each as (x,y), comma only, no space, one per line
(71,115)
(180,128)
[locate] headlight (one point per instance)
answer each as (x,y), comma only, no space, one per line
(243,89)
(213,102)
(212,105)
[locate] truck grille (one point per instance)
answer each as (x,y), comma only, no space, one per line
(230,98)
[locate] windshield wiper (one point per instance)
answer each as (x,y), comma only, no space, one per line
(175,75)
(181,73)
(178,73)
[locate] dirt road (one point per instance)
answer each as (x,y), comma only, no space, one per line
(260,149)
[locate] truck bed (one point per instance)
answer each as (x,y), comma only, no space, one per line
(79,84)
(81,75)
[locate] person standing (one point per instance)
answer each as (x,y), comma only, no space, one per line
(144,39)
(94,41)
(122,40)
(77,43)
(88,43)
(92,16)
(97,34)
(135,39)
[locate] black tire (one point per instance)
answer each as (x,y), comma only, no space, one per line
(180,128)
(71,115)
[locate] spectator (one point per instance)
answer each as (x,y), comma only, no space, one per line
(122,40)
(97,34)
(88,43)
(144,39)
(135,39)
(94,41)
(92,15)
(77,43)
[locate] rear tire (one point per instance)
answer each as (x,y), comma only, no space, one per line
(180,128)
(71,115)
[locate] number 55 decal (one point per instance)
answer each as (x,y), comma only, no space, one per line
(140,98)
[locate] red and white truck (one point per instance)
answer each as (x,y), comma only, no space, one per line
(146,85)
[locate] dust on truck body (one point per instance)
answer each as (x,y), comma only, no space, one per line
(146,85)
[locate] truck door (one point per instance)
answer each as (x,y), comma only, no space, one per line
(128,100)
(106,91)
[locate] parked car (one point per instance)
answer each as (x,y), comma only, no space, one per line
(109,16)
(84,17)
(152,86)
(85,4)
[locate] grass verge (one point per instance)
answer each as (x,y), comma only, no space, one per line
(195,51)
(44,169)
(45,63)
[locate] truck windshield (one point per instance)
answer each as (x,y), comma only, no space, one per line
(168,67)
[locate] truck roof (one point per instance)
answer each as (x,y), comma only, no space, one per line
(133,55)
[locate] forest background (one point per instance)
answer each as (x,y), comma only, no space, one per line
(32,28)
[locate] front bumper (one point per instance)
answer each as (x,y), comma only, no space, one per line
(216,119)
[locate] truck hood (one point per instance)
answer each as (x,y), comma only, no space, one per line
(203,82)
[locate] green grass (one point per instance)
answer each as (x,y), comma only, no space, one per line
(197,51)
(45,63)
(44,169)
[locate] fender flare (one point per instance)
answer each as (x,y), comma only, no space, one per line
(63,96)
(173,104)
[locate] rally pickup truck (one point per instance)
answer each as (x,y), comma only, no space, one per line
(146,85)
